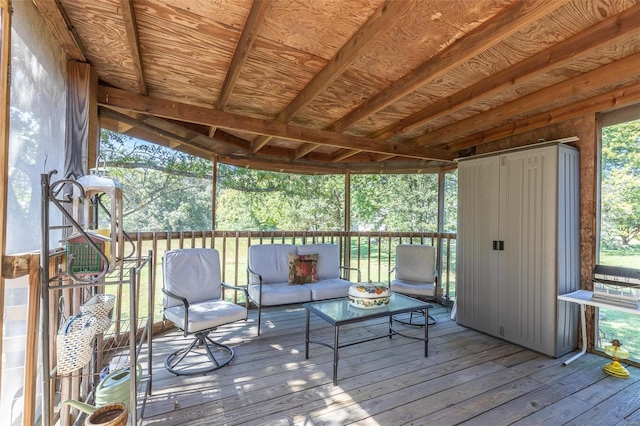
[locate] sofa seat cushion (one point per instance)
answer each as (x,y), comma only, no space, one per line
(328,265)
(281,293)
(200,317)
(329,289)
(412,288)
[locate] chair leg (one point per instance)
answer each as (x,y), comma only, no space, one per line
(180,364)
(431,320)
(259,317)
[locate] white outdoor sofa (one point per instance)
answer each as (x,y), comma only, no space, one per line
(268,275)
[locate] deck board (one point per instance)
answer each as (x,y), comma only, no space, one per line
(468,378)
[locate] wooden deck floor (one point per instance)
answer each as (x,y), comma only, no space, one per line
(468,378)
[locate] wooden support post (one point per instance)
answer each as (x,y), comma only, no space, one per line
(32,339)
(347,219)
(439,247)
(5,27)
(83,131)
(214,199)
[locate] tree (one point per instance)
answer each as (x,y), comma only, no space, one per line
(403,203)
(620,192)
(168,190)
(162,189)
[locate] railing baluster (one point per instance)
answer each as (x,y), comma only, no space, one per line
(224,254)
(235,281)
(154,275)
(379,257)
(369,258)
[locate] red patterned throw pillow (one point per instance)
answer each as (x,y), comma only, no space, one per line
(302,268)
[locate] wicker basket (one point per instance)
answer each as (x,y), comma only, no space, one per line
(73,342)
(101,307)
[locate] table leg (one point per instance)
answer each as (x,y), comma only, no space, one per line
(336,331)
(390,327)
(583,320)
(306,340)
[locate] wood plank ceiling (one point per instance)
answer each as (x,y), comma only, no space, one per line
(326,86)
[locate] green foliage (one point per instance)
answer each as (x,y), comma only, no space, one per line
(168,190)
(401,203)
(163,189)
(620,192)
(258,200)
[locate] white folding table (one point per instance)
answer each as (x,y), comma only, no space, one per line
(584,298)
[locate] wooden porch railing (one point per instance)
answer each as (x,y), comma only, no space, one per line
(371,252)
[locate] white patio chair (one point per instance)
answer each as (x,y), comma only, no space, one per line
(193,302)
(415,276)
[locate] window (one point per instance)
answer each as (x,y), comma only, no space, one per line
(619,239)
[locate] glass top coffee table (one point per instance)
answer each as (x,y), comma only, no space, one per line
(338,312)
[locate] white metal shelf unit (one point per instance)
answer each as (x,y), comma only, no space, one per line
(119,342)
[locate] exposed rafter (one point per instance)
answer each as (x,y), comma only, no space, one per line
(116,98)
(236,152)
(381,21)
(520,14)
(600,77)
(426,79)
(62,29)
(555,56)
(129,17)
(616,98)
(488,34)
(243,47)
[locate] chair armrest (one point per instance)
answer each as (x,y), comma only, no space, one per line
(249,274)
(234,287)
(185,302)
(237,288)
(391,271)
(346,268)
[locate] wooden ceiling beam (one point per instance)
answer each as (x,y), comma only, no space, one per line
(140,124)
(555,56)
(305,148)
(383,157)
(243,47)
(311,167)
(378,24)
(343,154)
(62,30)
(615,99)
(129,17)
(252,25)
(260,142)
(512,20)
(121,99)
(603,76)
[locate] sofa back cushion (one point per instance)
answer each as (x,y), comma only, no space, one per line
(271,261)
(328,266)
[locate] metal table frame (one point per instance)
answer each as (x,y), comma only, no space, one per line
(398,304)
(584,299)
